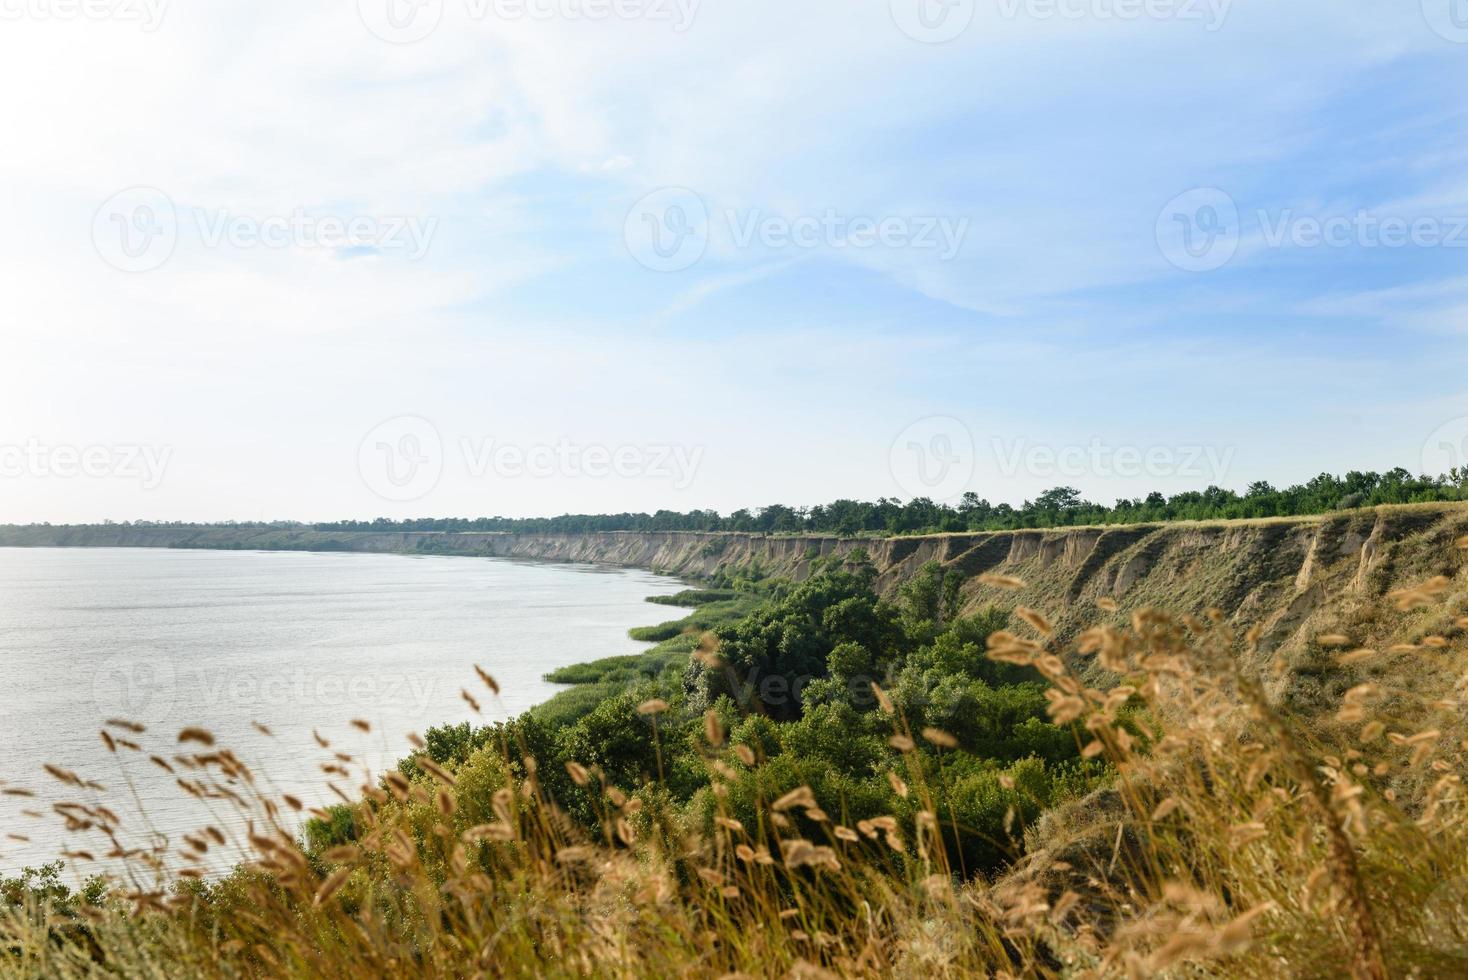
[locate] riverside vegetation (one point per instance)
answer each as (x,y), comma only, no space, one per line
(810,780)
(1055,508)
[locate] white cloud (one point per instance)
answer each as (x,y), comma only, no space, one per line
(526,140)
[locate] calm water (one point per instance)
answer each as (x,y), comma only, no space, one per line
(292,640)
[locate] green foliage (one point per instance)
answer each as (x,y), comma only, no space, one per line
(477,780)
(617,739)
(603,679)
(656,634)
(694,597)
(772,655)
(569,707)
(340,827)
(1056,507)
(627,667)
(451,744)
(985,809)
(42,886)
(794,685)
(796,690)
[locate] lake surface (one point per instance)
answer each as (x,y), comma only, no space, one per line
(298,642)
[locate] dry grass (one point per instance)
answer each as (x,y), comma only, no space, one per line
(1446,509)
(1232,843)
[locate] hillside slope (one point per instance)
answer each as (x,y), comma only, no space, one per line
(1293,577)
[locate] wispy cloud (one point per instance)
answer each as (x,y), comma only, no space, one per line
(1055,142)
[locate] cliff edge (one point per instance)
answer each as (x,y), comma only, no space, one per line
(1293,577)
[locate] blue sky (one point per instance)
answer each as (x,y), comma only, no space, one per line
(1030,296)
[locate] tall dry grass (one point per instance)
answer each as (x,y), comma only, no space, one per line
(1232,842)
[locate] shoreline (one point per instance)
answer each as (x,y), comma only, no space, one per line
(1283,573)
(188,679)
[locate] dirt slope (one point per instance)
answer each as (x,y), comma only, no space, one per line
(1296,577)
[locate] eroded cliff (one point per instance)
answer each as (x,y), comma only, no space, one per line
(1293,577)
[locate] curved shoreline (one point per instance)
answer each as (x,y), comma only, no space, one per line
(1282,573)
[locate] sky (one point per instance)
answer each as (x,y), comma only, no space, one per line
(361,258)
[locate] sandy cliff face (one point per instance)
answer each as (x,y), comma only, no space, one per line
(1294,577)
(1290,577)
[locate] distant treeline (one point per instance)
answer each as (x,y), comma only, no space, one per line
(1059,507)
